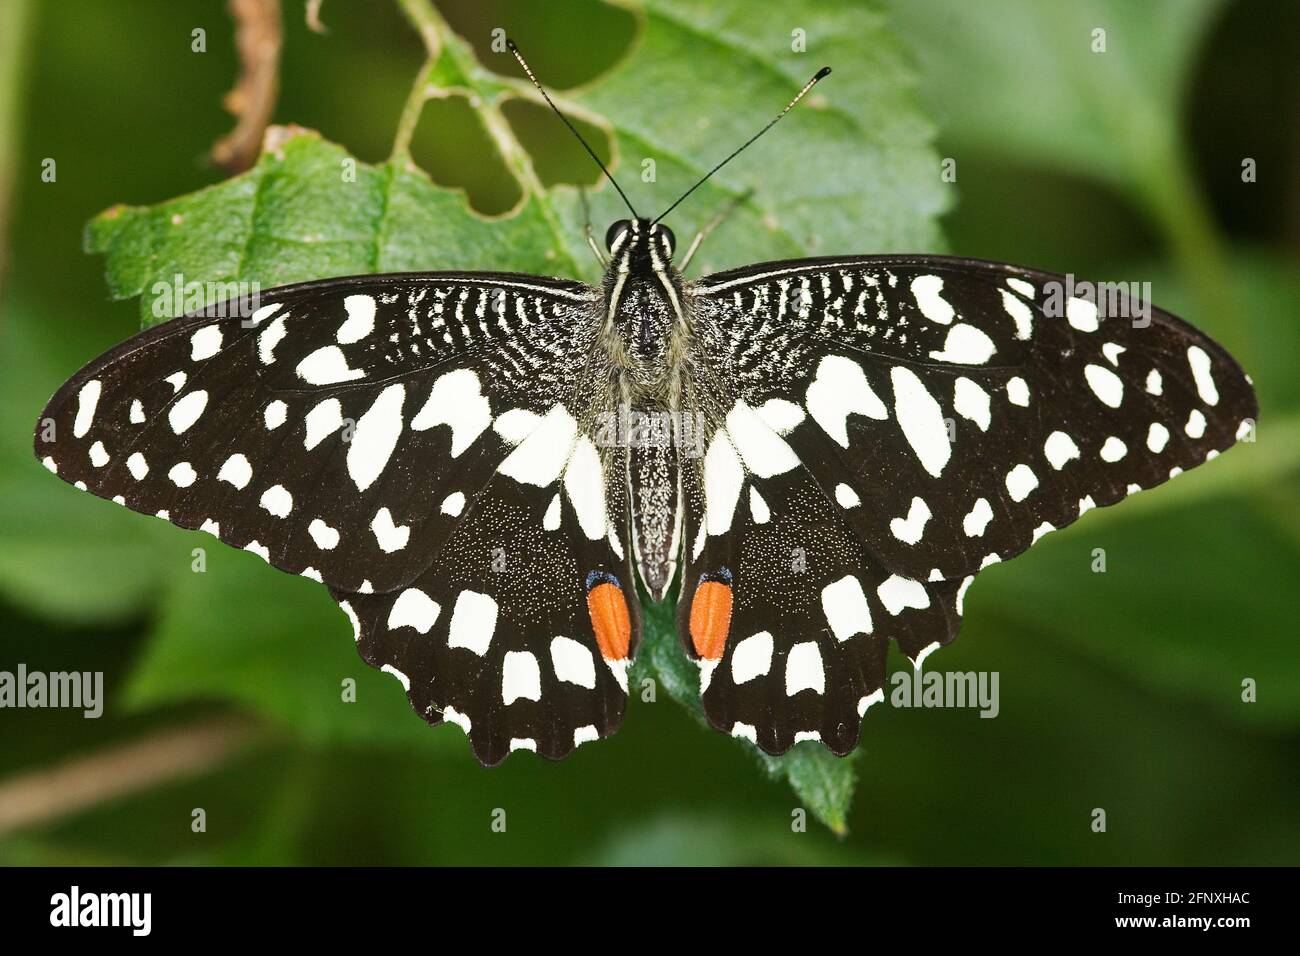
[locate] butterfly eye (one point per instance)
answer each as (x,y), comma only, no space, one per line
(614,231)
(668,238)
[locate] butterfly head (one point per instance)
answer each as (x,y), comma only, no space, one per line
(639,245)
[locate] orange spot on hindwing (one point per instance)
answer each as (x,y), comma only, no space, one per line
(609,617)
(711,615)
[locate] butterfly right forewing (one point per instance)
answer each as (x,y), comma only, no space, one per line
(889,426)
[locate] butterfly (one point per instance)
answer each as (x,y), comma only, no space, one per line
(481,467)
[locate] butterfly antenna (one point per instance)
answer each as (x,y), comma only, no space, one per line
(510,44)
(817,77)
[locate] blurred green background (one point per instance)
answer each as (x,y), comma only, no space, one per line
(1120,691)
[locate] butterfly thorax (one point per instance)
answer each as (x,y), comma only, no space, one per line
(645,333)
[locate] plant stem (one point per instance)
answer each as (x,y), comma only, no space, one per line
(429,25)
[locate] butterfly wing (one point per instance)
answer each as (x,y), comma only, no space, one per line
(937,414)
(371,433)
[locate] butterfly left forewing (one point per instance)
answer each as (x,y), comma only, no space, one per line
(420,444)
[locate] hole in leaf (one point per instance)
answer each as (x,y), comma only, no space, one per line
(453,146)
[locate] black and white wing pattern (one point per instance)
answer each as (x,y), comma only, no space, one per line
(885,427)
(419,443)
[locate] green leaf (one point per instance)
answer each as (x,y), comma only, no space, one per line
(1022,81)
(849,171)
(822,780)
(300,214)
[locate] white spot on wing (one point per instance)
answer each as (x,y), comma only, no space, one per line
(1200,364)
(909,529)
(413,608)
(927,291)
(360,321)
(921,420)
(326,366)
(1105,384)
(977,519)
(87,401)
(1113,449)
(573,662)
(971,402)
(845,605)
(758,509)
(1081,314)
(185,412)
(965,345)
(764,452)
(269,338)
(205,343)
(781,416)
(723,479)
(846,496)
(326,538)
(752,657)
(841,389)
(516,424)
(457,400)
(375,437)
(520,677)
(137,465)
(1157,437)
(236,471)
(541,456)
(1060,448)
(473,622)
(182,474)
(1021,480)
(804,669)
(584,483)
(322,421)
(390,536)
(897,593)
(1018,392)
(453,504)
(1020,313)
(277,501)
(274,415)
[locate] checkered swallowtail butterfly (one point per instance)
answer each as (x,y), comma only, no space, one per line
(828,450)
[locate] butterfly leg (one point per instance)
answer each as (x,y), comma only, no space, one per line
(713,223)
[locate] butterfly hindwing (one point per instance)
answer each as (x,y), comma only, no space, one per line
(392,436)
(941,414)
(788,613)
(496,637)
